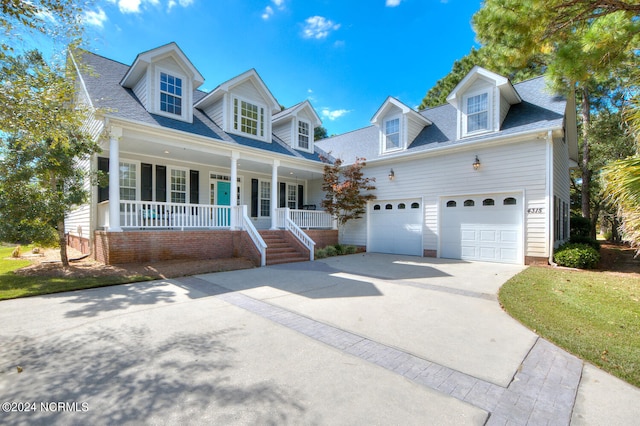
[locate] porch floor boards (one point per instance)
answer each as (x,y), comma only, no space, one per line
(280,250)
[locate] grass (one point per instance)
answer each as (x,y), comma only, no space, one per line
(594,315)
(13,286)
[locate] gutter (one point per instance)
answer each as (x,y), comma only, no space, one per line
(550,206)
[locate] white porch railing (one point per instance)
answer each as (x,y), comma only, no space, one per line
(158,215)
(306,219)
(284,221)
(247,225)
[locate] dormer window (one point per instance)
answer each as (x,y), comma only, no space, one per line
(478,113)
(170,94)
(303,134)
(248,118)
(392,134)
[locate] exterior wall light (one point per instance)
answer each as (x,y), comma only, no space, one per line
(476,164)
(392,175)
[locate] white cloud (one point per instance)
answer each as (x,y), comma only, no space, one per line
(335,114)
(392,3)
(133,6)
(318,27)
(183,3)
(268,12)
(95,18)
(278,3)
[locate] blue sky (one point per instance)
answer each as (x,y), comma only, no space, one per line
(345,56)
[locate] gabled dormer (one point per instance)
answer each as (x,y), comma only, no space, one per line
(164,79)
(399,125)
(242,106)
(295,126)
(483,99)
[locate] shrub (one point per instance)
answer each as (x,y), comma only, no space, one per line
(350,250)
(320,253)
(574,255)
(331,251)
(580,227)
(339,249)
(578,239)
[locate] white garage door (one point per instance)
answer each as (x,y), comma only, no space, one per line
(486,228)
(396,227)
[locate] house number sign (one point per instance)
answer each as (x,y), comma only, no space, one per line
(535,210)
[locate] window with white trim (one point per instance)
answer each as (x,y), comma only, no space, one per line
(178,186)
(303,134)
(264,198)
(170,94)
(477,110)
(248,118)
(292,196)
(392,134)
(128,180)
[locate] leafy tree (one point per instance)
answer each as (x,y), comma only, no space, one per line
(42,140)
(319,133)
(56,19)
(437,95)
(344,187)
(582,43)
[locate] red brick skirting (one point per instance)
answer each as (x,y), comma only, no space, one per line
(430,253)
(323,237)
(78,243)
(154,246)
(533,260)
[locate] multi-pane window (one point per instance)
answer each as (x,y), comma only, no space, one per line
(292,196)
(170,94)
(392,134)
(265,198)
(128,180)
(178,186)
(478,113)
(248,118)
(303,135)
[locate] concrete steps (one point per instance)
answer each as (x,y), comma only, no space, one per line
(279,250)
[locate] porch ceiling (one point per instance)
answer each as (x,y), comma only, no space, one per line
(171,151)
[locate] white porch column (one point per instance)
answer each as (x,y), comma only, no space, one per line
(114,179)
(274,194)
(234,188)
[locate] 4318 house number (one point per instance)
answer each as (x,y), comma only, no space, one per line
(535,210)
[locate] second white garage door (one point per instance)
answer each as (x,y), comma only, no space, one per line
(396,227)
(486,228)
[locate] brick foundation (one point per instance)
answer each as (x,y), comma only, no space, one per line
(81,244)
(154,246)
(430,253)
(533,260)
(323,237)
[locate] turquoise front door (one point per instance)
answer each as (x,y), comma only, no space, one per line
(223,195)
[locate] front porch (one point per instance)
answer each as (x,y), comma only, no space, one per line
(158,231)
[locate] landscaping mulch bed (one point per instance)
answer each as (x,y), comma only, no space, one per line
(618,258)
(49,265)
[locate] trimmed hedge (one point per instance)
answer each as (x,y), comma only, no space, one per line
(572,255)
(579,239)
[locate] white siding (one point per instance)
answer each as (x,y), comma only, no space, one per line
(140,90)
(248,91)
(284,131)
(413,129)
(507,168)
(215,112)
(504,109)
(78,220)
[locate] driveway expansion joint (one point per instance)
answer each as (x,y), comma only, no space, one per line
(543,390)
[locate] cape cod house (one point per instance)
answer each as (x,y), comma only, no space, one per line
(228,172)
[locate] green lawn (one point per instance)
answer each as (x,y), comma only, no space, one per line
(593,315)
(13,286)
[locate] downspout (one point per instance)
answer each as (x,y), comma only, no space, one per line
(550,206)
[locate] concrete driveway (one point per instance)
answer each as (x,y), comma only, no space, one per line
(361,339)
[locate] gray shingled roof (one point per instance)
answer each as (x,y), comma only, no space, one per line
(102,80)
(538,110)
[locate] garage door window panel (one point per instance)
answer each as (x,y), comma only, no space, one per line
(469,203)
(488,202)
